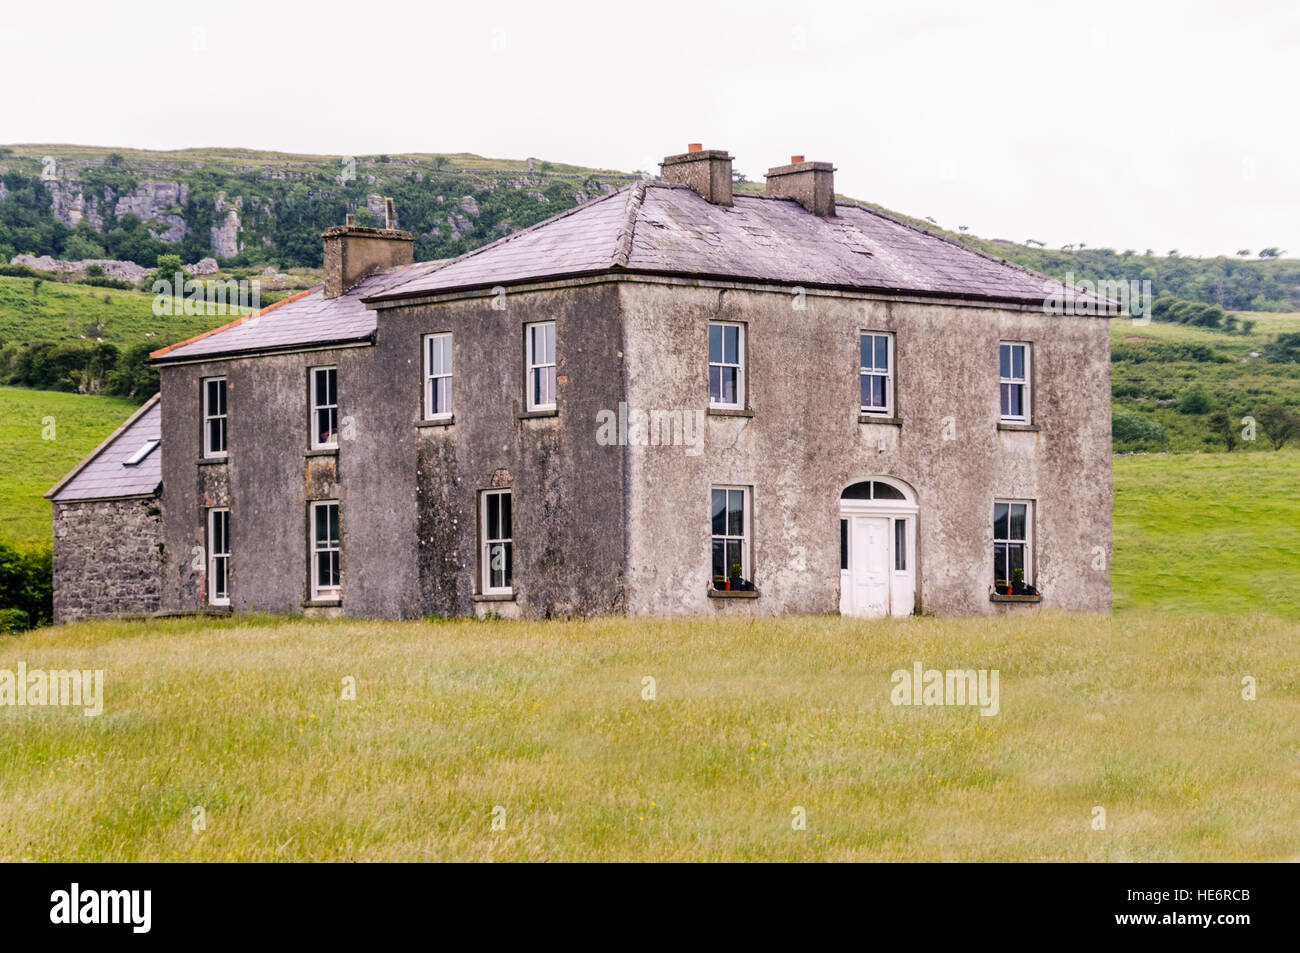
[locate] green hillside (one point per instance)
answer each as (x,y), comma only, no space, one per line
(30,463)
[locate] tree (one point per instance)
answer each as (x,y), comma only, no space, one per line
(1194,401)
(1280,424)
(1273,252)
(1224,427)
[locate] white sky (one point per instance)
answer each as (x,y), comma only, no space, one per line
(1125,124)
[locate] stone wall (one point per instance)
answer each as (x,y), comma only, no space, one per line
(107,558)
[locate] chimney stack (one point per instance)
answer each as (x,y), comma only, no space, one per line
(707,171)
(811,184)
(353,253)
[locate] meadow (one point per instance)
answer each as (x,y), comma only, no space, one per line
(242,729)
(43,435)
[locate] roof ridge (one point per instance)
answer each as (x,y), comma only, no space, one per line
(623,244)
(104,445)
(504,239)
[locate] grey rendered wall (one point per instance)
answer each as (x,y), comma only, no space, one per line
(567,489)
(106,558)
(804,444)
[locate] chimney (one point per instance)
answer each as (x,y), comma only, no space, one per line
(353,253)
(811,184)
(707,171)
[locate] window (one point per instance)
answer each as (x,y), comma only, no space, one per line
(727,366)
(219,556)
(1012,543)
(876,363)
(144,451)
(498,545)
(900,545)
(541,365)
(1013,367)
(730,532)
(437,376)
(325,579)
(844,544)
(324,408)
(214,417)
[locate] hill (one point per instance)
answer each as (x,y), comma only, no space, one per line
(251,208)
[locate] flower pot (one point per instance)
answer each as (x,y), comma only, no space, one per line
(1009,590)
(726,585)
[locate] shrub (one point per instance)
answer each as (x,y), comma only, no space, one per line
(1133,431)
(26,586)
(1194,400)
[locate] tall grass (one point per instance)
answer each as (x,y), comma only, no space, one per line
(1140,714)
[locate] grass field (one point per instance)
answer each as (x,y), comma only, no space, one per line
(30,464)
(1139,714)
(1208,532)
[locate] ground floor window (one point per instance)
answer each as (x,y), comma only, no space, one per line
(497,552)
(219,556)
(1012,543)
(730,544)
(325,550)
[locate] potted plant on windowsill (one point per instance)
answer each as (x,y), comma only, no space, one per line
(1017,587)
(735,582)
(721,584)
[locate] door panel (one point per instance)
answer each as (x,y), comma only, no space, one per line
(869,566)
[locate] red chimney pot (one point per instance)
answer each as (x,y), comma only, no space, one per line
(695,147)
(795,160)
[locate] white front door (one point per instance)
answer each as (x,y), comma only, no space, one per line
(869,566)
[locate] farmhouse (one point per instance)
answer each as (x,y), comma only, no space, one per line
(675,399)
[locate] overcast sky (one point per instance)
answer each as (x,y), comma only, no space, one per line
(1124,124)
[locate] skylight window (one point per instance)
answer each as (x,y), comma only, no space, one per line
(140,454)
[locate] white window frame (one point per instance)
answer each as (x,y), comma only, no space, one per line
(218,552)
(888,375)
(325,593)
(1027,542)
(209,452)
(1026,401)
(536,366)
(739,365)
(745,537)
(444,372)
(319,406)
(487,541)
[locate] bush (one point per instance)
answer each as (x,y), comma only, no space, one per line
(1133,431)
(26,586)
(1194,400)
(1285,350)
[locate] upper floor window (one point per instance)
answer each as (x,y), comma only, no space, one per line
(497,543)
(437,376)
(1013,371)
(219,556)
(727,365)
(876,373)
(1012,543)
(541,365)
(326,549)
(214,416)
(324,408)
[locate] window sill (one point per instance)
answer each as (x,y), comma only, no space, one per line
(1023,428)
(322,452)
(730,412)
(1003,597)
(493,597)
(436,422)
(322,603)
(733,594)
(875,419)
(534,414)
(211,461)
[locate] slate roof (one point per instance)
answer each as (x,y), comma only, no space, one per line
(305,319)
(662,228)
(655,228)
(104,473)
